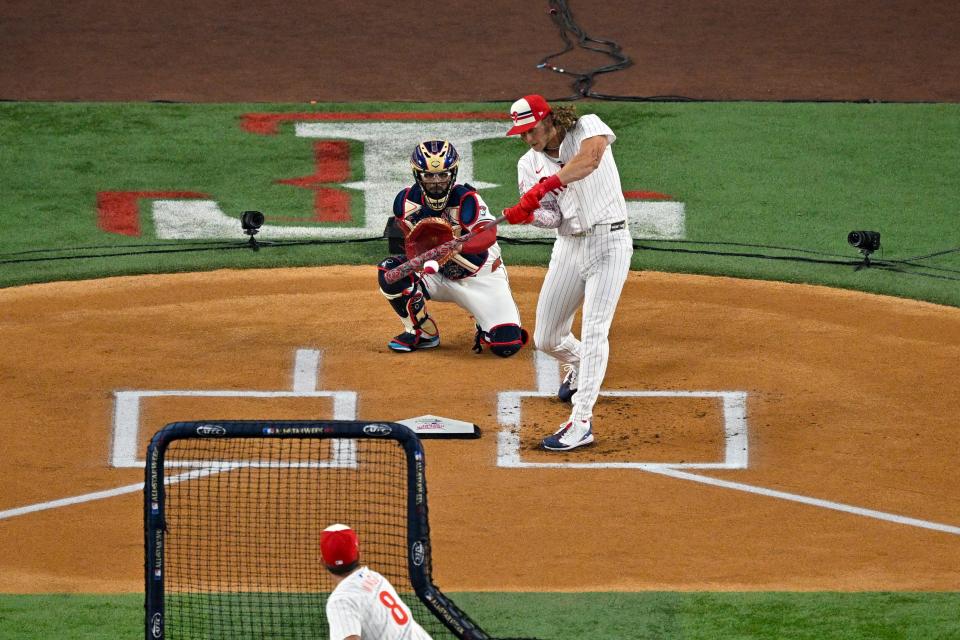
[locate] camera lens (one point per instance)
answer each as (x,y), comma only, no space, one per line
(864,240)
(251,219)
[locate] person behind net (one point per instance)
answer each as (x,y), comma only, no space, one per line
(363,604)
(477,282)
(569,181)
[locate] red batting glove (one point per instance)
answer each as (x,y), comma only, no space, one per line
(518,215)
(545,186)
(529,201)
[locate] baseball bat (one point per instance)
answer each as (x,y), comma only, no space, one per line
(438,253)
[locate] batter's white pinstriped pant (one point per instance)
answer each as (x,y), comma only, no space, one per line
(588,270)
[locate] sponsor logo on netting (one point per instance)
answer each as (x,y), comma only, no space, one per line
(378,429)
(211,430)
(417,553)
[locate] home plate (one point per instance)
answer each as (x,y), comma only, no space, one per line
(439,427)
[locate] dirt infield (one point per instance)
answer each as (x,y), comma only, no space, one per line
(851,398)
(844,404)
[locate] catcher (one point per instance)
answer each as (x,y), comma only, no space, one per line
(431,211)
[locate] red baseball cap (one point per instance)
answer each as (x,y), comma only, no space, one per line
(339,546)
(527,112)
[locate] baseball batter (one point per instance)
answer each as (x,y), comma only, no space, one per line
(477,282)
(569,181)
(363,605)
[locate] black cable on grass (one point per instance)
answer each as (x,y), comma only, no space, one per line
(207,243)
(924,266)
(883,266)
(205,246)
(934,254)
(121,254)
(827,259)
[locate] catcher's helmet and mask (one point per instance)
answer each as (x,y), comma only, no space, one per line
(435,164)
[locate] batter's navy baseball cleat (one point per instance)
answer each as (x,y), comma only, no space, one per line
(406,342)
(569,385)
(573,434)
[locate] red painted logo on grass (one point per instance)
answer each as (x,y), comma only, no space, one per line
(118,211)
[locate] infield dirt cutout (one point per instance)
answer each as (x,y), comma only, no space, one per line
(850,399)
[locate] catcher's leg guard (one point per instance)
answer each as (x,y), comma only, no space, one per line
(408,297)
(503,340)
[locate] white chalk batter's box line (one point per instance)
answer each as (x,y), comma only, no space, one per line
(307,362)
(128,404)
(305,382)
(126,419)
(734,404)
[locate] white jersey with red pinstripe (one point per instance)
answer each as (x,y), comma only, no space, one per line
(365,604)
(596,199)
(590,259)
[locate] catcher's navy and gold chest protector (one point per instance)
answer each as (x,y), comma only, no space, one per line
(463,210)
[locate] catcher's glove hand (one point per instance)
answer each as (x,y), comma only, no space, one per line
(427,234)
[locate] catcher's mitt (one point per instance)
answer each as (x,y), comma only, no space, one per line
(427,234)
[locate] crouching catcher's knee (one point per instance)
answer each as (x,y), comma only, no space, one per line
(503,340)
(403,283)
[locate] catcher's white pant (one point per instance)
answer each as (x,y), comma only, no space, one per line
(486,296)
(589,270)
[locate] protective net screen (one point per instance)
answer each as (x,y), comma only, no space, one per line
(244,517)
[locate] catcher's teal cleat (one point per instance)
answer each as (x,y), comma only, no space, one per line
(406,342)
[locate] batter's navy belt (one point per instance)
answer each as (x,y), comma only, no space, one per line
(600,229)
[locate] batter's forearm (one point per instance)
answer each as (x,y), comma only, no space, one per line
(585,161)
(578,169)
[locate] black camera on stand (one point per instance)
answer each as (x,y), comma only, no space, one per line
(251,221)
(866,242)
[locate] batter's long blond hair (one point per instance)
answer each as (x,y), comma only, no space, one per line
(565,117)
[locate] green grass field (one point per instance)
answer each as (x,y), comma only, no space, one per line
(794,176)
(780,184)
(560,616)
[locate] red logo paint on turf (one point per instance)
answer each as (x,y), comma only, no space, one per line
(119,211)
(331,159)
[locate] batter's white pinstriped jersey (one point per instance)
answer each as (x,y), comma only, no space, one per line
(589,263)
(596,199)
(365,604)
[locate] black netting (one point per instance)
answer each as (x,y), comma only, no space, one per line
(244,517)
